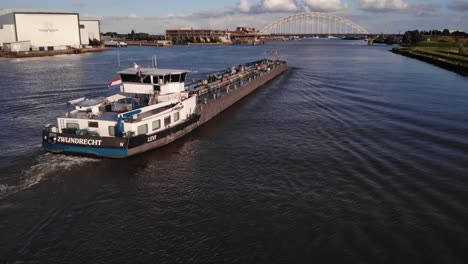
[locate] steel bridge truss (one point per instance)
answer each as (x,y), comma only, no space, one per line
(314,23)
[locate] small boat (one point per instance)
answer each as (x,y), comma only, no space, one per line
(118,44)
(153,108)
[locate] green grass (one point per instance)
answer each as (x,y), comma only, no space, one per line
(446,54)
(437,54)
(439,44)
(442,57)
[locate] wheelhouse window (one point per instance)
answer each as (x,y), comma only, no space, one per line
(143,129)
(175,78)
(160,79)
(93,124)
(130,78)
(166,78)
(147,79)
(176,117)
(156,124)
(183,76)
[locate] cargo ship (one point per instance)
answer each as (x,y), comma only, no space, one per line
(153,108)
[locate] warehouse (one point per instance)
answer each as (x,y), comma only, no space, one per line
(47,31)
(89,29)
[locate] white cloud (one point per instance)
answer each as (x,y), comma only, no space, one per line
(383,5)
(244,6)
(325,5)
(426,10)
(279,5)
(266,6)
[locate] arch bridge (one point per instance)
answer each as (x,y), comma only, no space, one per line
(313,24)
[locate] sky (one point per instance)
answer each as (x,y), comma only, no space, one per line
(155,16)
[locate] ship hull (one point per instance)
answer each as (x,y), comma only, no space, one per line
(115,147)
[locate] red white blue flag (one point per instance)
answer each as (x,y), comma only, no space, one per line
(117,81)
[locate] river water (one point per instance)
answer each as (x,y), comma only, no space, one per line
(355,155)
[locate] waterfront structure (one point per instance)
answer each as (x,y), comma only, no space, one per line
(89,30)
(245,35)
(47,30)
(153,108)
(204,34)
(17,46)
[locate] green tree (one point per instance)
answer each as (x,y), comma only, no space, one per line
(95,42)
(412,37)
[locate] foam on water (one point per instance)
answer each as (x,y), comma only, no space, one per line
(46,165)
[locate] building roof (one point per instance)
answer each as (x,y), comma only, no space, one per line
(152,71)
(44,13)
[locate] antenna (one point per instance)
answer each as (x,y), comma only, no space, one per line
(118,57)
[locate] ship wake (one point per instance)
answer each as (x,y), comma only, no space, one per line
(46,165)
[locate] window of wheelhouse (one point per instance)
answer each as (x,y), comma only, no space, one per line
(183,76)
(166,78)
(130,78)
(160,79)
(175,78)
(146,79)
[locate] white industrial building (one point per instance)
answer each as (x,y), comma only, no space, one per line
(46,31)
(89,29)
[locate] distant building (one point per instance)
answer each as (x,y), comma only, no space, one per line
(47,31)
(246,30)
(244,35)
(89,29)
(191,33)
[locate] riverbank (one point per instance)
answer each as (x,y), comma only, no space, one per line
(444,57)
(148,43)
(27,54)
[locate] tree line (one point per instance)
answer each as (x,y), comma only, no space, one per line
(445,32)
(415,36)
(135,36)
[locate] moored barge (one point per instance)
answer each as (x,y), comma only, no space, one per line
(154,108)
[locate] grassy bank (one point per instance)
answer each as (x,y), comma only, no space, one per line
(444,56)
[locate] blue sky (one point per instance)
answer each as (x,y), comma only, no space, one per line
(154,16)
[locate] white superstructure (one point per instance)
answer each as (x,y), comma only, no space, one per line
(156,99)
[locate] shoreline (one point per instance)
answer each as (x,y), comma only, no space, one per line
(438,60)
(29,54)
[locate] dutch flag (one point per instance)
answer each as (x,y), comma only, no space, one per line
(116,82)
